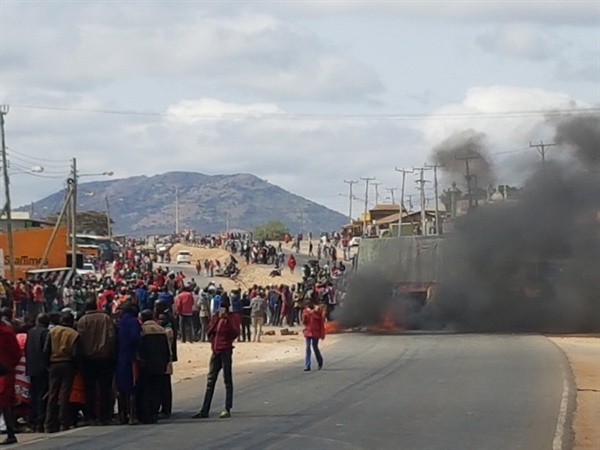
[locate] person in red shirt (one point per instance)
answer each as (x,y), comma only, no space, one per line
(9,358)
(222,331)
(183,308)
(314,329)
(291,263)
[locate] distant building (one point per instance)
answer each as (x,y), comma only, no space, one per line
(21,220)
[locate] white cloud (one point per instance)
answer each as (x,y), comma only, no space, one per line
(508,136)
(522,41)
(255,52)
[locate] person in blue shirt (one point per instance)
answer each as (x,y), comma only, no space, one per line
(141,293)
(166,296)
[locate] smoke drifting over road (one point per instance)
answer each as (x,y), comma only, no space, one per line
(532,263)
(367,300)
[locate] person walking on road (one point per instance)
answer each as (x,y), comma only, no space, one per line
(222,331)
(314,329)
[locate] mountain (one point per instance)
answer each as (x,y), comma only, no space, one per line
(142,205)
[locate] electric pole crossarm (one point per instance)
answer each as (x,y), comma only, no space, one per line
(541,148)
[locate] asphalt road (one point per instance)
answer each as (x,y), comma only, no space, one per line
(375,392)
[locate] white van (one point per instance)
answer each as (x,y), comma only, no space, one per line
(183,257)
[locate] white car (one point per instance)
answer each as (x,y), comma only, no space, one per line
(354,242)
(88,270)
(183,257)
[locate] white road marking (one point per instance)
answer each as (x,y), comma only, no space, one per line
(559,434)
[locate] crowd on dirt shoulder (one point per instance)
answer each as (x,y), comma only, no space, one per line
(70,353)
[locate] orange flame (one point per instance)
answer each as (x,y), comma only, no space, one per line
(333,327)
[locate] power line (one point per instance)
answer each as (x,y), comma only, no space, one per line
(63,161)
(298,116)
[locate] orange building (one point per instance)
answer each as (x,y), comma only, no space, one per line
(29,245)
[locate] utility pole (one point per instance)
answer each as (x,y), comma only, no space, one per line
(404,172)
(73,212)
(176,210)
(435,190)
(376,186)
(541,148)
(410,203)
(366,180)
(7,206)
(422,182)
(469,177)
(108,228)
(350,198)
(391,191)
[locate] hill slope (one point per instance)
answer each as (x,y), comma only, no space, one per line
(143,205)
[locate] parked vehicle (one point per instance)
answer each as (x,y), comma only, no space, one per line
(183,257)
(88,270)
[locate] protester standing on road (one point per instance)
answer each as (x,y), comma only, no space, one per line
(222,331)
(183,308)
(314,330)
(155,356)
(9,358)
(258,308)
(36,368)
(63,351)
(128,339)
(246,318)
(98,343)
(204,305)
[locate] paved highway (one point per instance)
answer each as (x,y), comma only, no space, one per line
(375,392)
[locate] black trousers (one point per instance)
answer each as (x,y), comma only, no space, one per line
(60,381)
(149,397)
(245,334)
(97,381)
(165,393)
(185,323)
(218,361)
(196,325)
(204,321)
(37,392)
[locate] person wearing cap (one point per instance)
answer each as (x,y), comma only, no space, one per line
(222,331)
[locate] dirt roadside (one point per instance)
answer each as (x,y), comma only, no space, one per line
(583,353)
(193,358)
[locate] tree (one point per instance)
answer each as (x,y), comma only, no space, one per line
(273,230)
(88,222)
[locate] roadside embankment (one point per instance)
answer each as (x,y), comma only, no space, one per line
(583,353)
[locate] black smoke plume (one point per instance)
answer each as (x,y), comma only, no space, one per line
(469,143)
(532,263)
(368,298)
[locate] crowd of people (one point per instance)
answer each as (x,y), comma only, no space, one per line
(71,353)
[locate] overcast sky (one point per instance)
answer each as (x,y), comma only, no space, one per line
(303,94)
